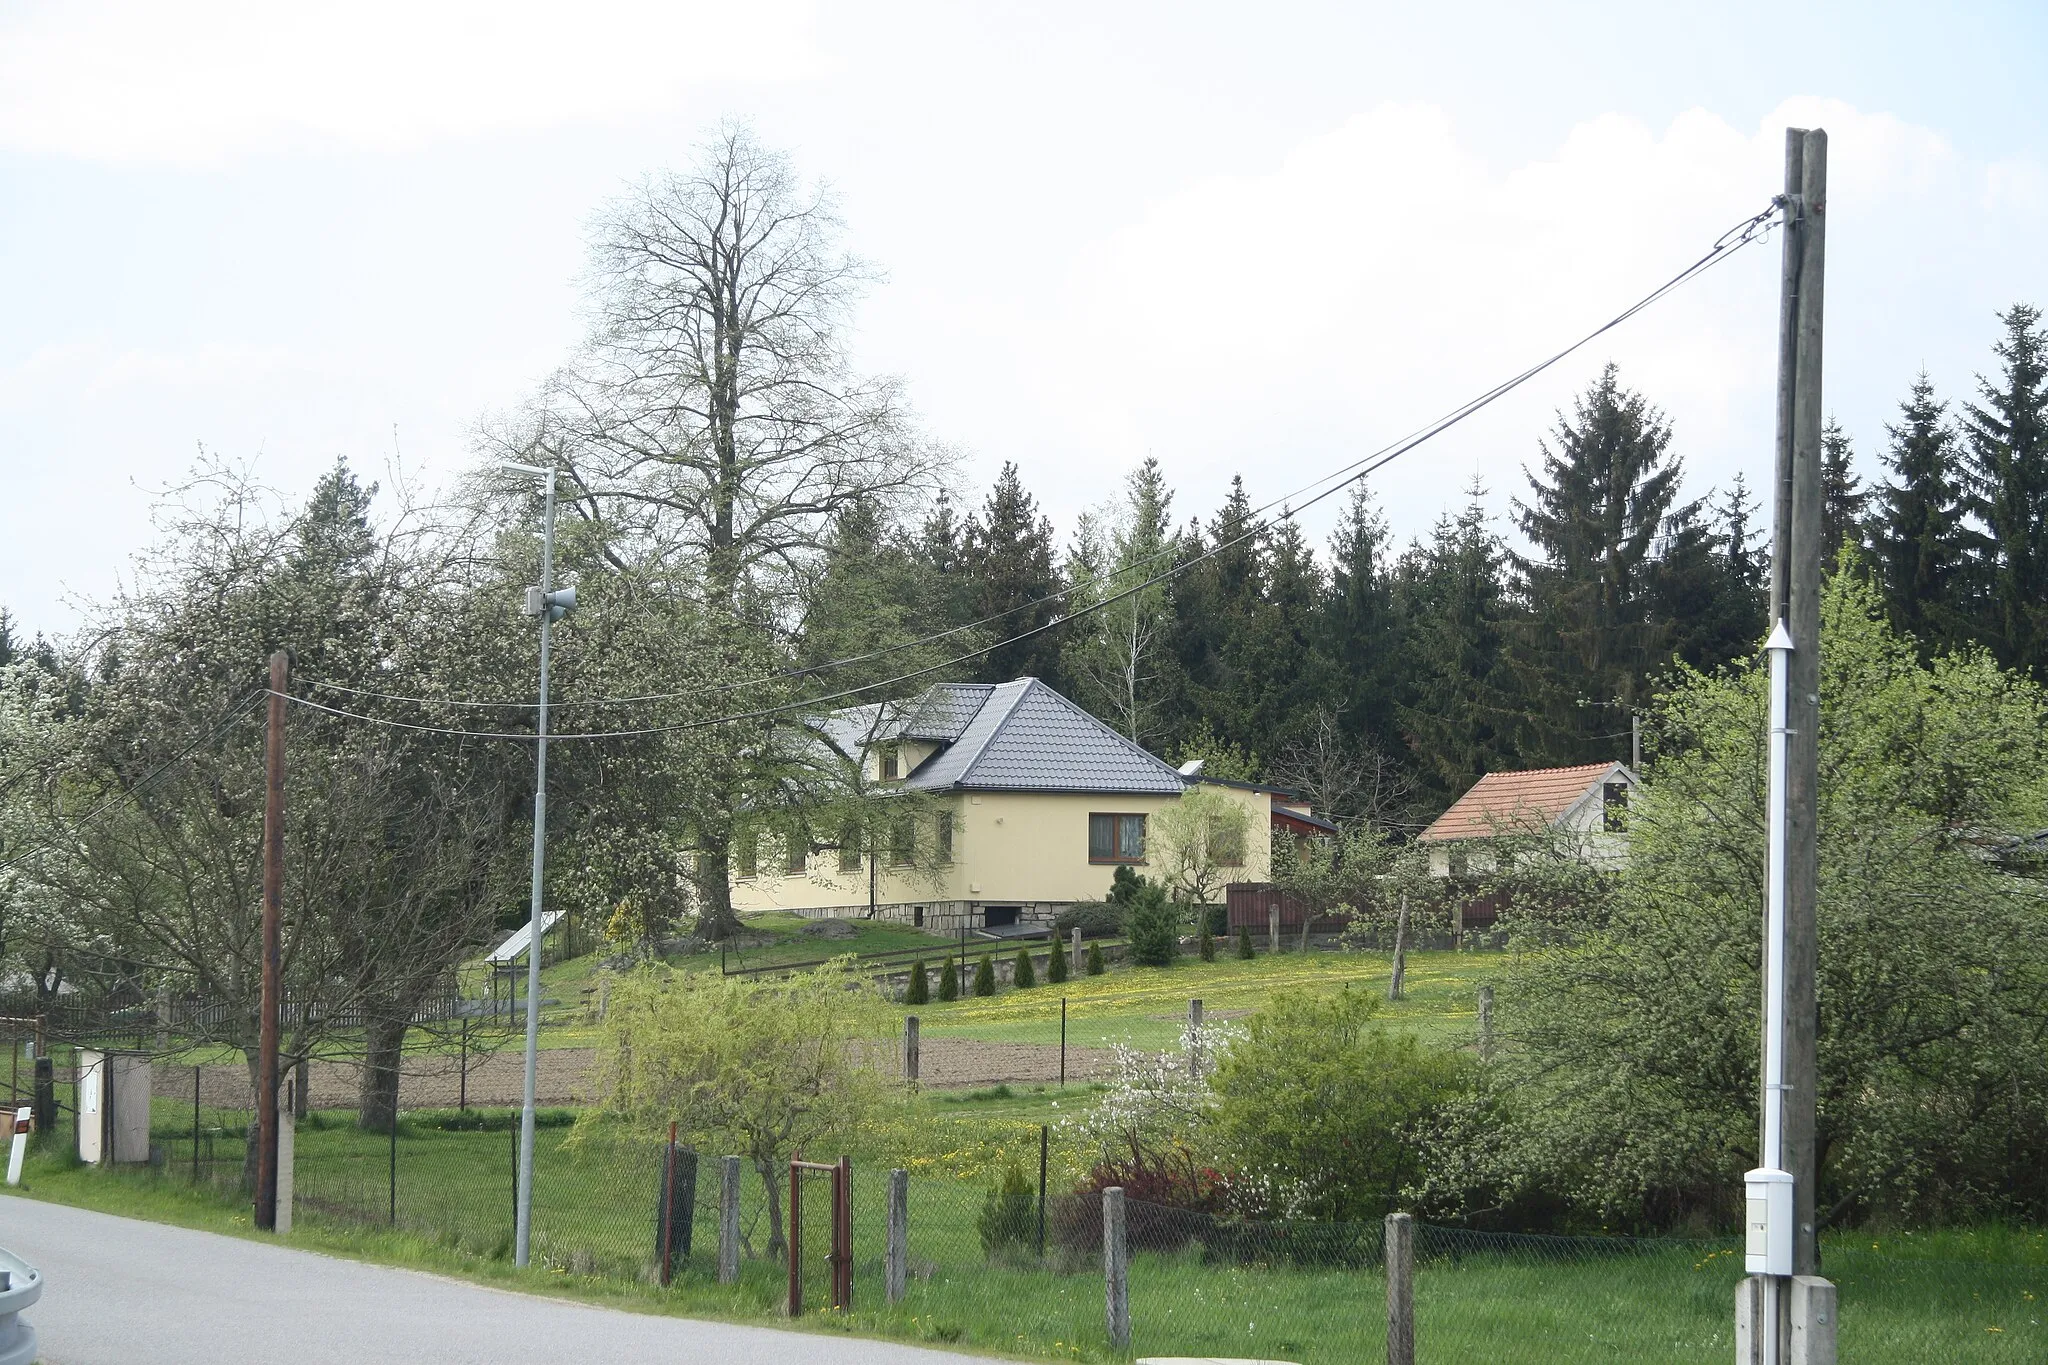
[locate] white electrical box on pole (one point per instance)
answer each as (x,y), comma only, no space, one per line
(550,606)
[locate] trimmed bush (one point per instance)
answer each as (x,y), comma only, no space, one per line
(1056,963)
(1208,948)
(1095,964)
(1021,973)
(949,980)
(918,989)
(1097,919)
(985,976)
(1153,926)
(1244,944)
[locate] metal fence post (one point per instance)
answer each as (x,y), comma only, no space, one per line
(728,1219)
(1116,1273)
(910,1049)
(896,1261)
(1400,1249)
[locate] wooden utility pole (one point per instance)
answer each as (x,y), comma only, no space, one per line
(273,905)
(1802,715)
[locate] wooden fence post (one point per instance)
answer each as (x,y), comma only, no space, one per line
(1486,1023)
(910,1050)
(1116,1270)
(896,1262)
(1400,1250)
(1273,928)
(1194,1040)
(728,1219)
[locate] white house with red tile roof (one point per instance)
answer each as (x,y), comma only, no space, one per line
(1584,806)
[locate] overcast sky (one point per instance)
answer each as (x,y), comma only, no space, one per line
(1243,238)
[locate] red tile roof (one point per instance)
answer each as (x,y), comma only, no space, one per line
(1502,802)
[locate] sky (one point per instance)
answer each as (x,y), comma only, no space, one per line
(1260,240)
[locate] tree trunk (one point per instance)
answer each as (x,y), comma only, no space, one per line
(377,1090)
(715,918)
(1400,951)
(771,1178)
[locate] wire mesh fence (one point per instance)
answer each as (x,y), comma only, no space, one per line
(995,1260)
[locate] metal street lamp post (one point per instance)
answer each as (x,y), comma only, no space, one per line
(550,606)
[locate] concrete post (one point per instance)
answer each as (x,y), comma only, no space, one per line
(896,1262)
(1074,967)
(1116,1269)
(910,1050)
(728,1219)
(1749,1317)
(287,1142)
(1273,929)
(1400,1289)
(1486,1023)
(1813,1321)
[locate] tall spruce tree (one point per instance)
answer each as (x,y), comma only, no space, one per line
(873,595)
(1008,556)
(1119,657)
(1219,606)
(1598,506)
(1361,632)
(1916,528)
(10,647)
(1454,596)
(2005,486)
(1709,581)
(1843,499)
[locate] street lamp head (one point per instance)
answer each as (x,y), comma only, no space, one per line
(534,469)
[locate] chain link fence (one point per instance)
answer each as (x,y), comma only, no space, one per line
(999,1259)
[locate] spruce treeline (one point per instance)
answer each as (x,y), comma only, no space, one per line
(1383,678)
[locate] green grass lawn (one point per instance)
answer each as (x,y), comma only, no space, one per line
(1530,1302)
(1146,1006)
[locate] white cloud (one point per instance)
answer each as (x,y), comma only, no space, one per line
(205,82)
(1281,322)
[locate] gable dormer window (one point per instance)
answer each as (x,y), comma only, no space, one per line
(892,763)
(1614,807)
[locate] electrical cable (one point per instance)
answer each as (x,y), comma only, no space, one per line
(135,789)
(1751,229)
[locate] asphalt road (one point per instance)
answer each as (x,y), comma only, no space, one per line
(123,1292)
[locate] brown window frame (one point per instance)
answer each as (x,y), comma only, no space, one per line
(942,838)
(850,848)
(890,763)
(1116,839)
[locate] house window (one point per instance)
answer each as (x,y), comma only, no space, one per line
(1614,811)
(849,849)
(746,853)
(1116,838)
(917,916)
(799,847)
(892,763)
(942,838)
(903,841)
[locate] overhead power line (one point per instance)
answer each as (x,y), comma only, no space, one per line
(129,793)
(1750,230)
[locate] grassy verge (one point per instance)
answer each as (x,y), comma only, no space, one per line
(1145,1007)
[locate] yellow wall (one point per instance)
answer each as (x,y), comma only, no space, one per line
(1008,848)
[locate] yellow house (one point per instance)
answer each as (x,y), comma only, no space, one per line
(1019,803)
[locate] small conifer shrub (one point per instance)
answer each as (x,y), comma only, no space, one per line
(1244,944)
(949,980)
(919,988)
(1207,950)
(1008,1217)
(1056,962)
(985,976)
(1022,974)
(1095,965)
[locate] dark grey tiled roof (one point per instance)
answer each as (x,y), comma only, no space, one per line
(1026,737)
(945,711)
